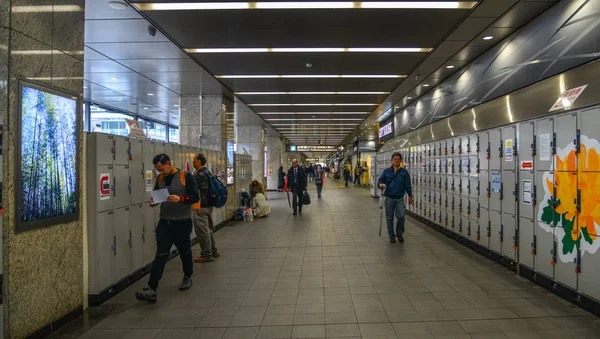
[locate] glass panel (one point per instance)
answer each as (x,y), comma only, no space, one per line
(173,134)
(107,121)
(154,130)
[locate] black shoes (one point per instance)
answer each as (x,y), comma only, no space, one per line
(295,213)
(393,240)
(216,254)
(147,294)
(186,283)
(400,238)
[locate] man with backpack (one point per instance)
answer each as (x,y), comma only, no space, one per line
(395,183)
(175,224)
(203,223)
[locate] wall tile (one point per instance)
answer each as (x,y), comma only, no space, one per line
(37,25)
(37,68)
(67,73)
(68,28)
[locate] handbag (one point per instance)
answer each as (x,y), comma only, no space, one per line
(305,198)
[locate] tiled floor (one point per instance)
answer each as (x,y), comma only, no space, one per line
(327,274)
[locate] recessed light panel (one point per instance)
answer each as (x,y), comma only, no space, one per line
(310,93)
(291,5)
(311,50)
(275,105)
(310,76)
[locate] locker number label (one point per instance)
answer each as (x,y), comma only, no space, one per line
(148,180)
(508,150)
(104,186)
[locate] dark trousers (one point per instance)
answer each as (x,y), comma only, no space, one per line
(167,234)
(297,200)
(356,180)
(319,189)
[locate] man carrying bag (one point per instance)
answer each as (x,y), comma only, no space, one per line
(298,184)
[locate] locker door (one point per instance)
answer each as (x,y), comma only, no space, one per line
(148,154)
(544,136)
(565,266)
(566,136)
(472,230)
(495,189)
(438,215)
(526,194)
(104,188)
(464,202)
(473,187)
(444,217)
(105,237)
(465,166)
(456,223)
(464,229)
(473,145)
(464,146)
(464,186)
(588,278)
(136,217)
(170,151)
(444,183)
(526,144)
(495,143)
(509,147)
(589,125)
(509,236)
(509,192)
(473,205)
(484,224)
(159,148)
(456,184)
(121,193)
(178,156)
(484,149)
(148,235)
(495,228)
(526,230)
(450,165)
(544,233)
(136,170)
(484,186)
(121,150)
(473,166)
(122,242)
(104,145)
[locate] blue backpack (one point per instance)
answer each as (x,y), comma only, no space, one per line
(217,192)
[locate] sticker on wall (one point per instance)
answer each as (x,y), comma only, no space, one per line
(437,165)
(444,166)
(104,186)
(527,165)
(465,165)
(526,192)
(545,147)
(508,150)
(496,182)
(450,165)
(148,180)
(573,228)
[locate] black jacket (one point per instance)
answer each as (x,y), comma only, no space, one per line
(203,186)
(301,177)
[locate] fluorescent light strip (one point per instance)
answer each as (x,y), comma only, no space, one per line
(46,9)
(312,50)
(305,5)
(313,119)
(305,125)
(275,105)
(309,93)
(43,52)
(313,113)
(313,76)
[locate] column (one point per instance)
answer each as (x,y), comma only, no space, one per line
(274,150)
(190,121)
(43,267)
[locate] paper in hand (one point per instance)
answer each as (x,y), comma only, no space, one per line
(160,196)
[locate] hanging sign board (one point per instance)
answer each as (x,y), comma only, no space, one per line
(386,129)
(567,99)
(104,186)
(148,180)
(508,150)
(135,129)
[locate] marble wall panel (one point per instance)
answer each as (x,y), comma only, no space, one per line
(28,20)
(67,73)
(274,148)
(68,28)
(33,67)
(190,117)
(4,15)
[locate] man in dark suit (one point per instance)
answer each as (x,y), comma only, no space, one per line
(297,183)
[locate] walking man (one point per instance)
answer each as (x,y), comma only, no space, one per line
(395,181)
(203,223)
(174,226)
(298,184)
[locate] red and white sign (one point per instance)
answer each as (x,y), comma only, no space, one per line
(135,129)
(104,186)
(567,99)
(525,165)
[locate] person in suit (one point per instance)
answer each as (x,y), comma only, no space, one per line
(297,183)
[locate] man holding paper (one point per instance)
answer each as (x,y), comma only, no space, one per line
(175,224)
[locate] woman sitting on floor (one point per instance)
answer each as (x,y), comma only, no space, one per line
(260,206)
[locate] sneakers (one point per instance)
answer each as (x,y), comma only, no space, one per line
(216,254)
(393,240)
(400,238)
(186,283)
(204,259)
(147,294)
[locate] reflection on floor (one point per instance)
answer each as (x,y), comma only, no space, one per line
(326,274)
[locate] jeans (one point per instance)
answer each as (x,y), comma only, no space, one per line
(167,234)
(356,180)
(297,200)
(203,226)
(319,189)
(394,206)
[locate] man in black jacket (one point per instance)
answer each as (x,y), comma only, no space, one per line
(203,223)
(297,183)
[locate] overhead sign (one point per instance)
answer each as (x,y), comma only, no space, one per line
(319,148)
(386,129)
(135,129)
(293,148)
(567,99)
(104,186)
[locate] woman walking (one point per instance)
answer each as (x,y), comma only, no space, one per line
(357,173)
(319,179)
(281,179)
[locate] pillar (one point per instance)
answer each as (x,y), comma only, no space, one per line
(274,150)
(250,139)
(43,267)
(203,122)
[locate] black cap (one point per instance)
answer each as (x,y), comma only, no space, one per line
(397,154)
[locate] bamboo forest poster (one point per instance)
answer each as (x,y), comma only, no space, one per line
(48,155)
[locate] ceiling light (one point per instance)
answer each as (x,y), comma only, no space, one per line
(273,105)
(46,8)
(450,66)
(309,76)
(311,50)
(114,78)
(84,87)
(176,105)
(314,124)
(314,113)
(426,85)
(308,93)
(150,94)
(409,98)
(117,5)
(305,5)
(145,107)
(489,37)
(337,119)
